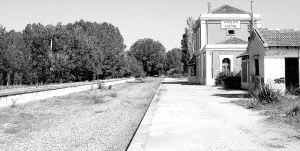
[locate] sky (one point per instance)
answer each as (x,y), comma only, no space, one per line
(162,20)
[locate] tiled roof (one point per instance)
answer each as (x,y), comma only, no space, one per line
(283,37)
(226,9)
(233,40)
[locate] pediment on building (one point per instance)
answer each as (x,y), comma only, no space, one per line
(227,9)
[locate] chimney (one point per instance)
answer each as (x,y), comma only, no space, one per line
(209,7)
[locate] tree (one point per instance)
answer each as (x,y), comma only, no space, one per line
(132,67)
(61,53)
(173,61)
(109,43)
(12,59)
(187,43)
(151,54)
(185,52)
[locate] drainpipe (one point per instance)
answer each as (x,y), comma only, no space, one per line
(212,64)
(298,65)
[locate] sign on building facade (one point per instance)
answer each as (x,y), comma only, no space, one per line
(232,24)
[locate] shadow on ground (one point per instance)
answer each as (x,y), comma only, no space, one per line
(243,95)
(179,82)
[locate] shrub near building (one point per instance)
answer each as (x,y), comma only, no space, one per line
(228,80)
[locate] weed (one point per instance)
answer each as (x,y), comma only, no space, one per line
(13,104)
(98,99)
(252,103)
(294,111)
(100,85)
(265,94)
(139,80)
(113,94)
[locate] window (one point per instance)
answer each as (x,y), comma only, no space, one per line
(244,71)
(226,65)
(230,32)
(256,62)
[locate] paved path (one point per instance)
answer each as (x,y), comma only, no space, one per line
(195,117)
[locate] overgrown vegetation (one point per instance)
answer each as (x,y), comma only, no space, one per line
(228,80)
(279,108)
(264,94)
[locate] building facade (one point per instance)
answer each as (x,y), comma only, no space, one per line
(219,36)
(272,57)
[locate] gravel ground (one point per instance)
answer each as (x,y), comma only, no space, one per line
(17,89)
(93,120)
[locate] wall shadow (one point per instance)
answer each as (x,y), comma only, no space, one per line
(233,95)
(179,82)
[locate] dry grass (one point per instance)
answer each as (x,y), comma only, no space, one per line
(113,94)
(286,110)
(98,99)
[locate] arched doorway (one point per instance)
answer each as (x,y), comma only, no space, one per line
(226,65)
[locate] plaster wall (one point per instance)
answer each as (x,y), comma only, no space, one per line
(255,48)
(275,64)
(191,79)
(274,69)
(216,34)
(271,62)
(236,62)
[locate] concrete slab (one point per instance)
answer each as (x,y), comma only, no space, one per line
(195,117)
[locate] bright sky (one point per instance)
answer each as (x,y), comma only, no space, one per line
(162,20)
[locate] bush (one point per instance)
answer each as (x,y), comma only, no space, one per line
(265,94)
(228,80)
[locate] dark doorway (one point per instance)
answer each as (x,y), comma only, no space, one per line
(291,72)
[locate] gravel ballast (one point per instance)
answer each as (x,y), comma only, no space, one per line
(103,119)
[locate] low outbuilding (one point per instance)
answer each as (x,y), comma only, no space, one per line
(271,57)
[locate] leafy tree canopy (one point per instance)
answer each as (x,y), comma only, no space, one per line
(150,53)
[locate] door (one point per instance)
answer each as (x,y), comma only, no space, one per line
(291,72)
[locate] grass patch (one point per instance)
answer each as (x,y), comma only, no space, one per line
(98,99)
(113,94)
(286,110)
(273,104)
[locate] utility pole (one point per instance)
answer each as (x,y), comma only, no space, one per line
(252,17)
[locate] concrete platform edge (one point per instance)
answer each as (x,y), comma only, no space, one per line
(141,136)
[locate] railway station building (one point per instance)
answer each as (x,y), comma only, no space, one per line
(219,37)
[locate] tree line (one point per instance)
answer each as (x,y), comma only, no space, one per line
(79,51)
